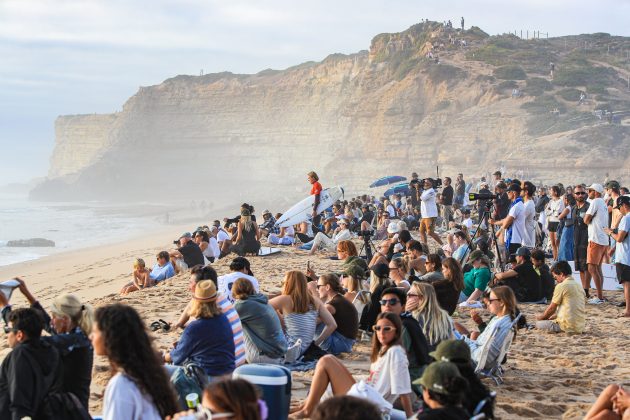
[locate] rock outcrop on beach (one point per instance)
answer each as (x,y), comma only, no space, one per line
(354,118)
(33,242)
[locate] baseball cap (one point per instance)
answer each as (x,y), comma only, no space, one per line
(475,255)
(613,184)
(596,187)
(381,270)
(523,252)
(437,375)
(186,235)
(515,188)
(450,350)
(393,227)
(622,199)
(266,212)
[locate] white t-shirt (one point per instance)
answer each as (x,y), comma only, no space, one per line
(599,211)
(517,211)
(213,246)
(389,375)
(222,235)
(124,400)
(391,210)
(225,283)
(622,250)
(428,207)
(553,209)
(468,223)
(529,237)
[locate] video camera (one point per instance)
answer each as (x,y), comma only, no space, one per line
(365,234)
(485,196)
(437,183)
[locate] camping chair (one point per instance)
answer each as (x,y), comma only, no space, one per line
(483,357)
(361,300)
(489,400)
(496,371)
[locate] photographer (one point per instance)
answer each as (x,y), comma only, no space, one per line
(513,225)
(501,203)
(415,189)
(428,208)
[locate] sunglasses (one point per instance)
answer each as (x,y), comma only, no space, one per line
(8,329)
(384,328)
(492,300)
(320,285)
(579,193)
(390,302)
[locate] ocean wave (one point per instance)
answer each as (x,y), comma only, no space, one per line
(3,243)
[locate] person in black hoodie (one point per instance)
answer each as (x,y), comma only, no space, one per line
(31,370)
(69,328)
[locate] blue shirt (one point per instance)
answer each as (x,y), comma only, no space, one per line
(209,343)
(622,249)
(159,273)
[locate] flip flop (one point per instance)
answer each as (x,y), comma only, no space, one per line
(155,326)
(164,325)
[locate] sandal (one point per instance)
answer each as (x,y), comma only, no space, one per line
(155,326)
(164,325)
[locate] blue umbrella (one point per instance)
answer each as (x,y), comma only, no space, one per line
(387,180)
(402,189)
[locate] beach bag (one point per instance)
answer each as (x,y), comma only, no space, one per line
(187,379)
(62,406)
(367,392)
(313,352)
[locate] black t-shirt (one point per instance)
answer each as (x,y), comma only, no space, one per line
(415,191)
(580,229)
(501,206)
(345,316)
(447,295)
(482,203)
(527,285)
(367,216)
(192,254)
(447,196)
(445,413)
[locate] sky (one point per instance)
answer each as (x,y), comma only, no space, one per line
(60,57)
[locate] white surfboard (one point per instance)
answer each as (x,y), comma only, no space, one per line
(265,251)
(302,211)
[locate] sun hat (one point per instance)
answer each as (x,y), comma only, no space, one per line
(596,187)
(475,255)
(380,270)
(450,350)
(393,227)
(437,375)
(205,291)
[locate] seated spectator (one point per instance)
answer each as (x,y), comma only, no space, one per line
(352,282)
(522,278)
(367,219)
(208,273)
(612,403)
(347,251)
(477,279)
(69,328)
(434,269)
(443,392)
(236,219)
(343,312)
(239,268)
(434,321)
(264,339)
(141,278)
(28,368)
(212,253)
(208,340)
(461,246)
(233,398)
(163,269)
(285,236)
(398,272)
(299,311)
(247,235)
(388,370)
(502,304)
(417,258)
(187,255)
(379,281)
(321,241)
(348,408)
(224,239)
(140,387)
(449,289)
(566,312)
(269,224)
(382,225)
(380,256)
(547,282)
(414,342)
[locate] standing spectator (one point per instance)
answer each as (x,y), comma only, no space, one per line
(580,236)
(343,312)
(446,201)
(622,253)
(597,219)
(428,208)
(316,190)
(460,190)
(497,178)
(565,249)
(187,255)
(543,199)
(567,304)
(552,212)
(462,23)
(415,187)
(527,194)
(501,203)
(513,226)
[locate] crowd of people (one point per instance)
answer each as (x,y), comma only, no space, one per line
(490,252)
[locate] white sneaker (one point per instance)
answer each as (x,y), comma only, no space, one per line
(595,301)
(293,352)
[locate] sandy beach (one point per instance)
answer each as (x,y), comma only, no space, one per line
(547,375)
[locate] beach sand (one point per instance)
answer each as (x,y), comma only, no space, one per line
(547,375)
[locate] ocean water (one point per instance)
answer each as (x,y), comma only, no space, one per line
(71,225)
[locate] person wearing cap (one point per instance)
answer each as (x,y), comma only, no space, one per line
(458,353)
(379,281)
(446,201)
(322,241)
(247,235)
(239,268)
(513,225)
(622,250)
(442,391)
(187,255)
(476,280)
(596,218)
(522,278)
(269,224)
(428,209)
(566,312)
(207,341)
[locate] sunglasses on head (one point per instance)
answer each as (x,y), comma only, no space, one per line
(384,328)
(390,302)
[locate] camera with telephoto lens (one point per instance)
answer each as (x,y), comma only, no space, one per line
(365,234)
(484,196)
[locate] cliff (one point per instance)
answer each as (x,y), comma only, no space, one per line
(424,97)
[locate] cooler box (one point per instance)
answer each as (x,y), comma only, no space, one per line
(275,383)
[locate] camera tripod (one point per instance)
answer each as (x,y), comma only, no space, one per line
(485,216)
(367,247)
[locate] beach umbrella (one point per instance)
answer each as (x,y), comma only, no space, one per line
(387,180)
(402,189)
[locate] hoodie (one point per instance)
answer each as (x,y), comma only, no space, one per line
(27,375)
(261,325)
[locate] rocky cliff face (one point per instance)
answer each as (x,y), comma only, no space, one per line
(351,118)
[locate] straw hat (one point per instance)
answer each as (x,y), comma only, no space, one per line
(205,291)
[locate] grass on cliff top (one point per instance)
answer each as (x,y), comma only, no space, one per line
(537,86)
(501,50)
(545,124)
(607,137)
(511,72)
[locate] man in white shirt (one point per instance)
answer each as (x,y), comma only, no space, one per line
(239,269)
(429,212)
(513,226)
(597,219)
(527,194)
(341,233)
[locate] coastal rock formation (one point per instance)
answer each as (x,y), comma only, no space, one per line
(33,242)
(429,96)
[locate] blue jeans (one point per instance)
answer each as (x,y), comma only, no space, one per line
(335,343)
(307,246)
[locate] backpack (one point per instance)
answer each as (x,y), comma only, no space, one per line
(62,406)
(188,379)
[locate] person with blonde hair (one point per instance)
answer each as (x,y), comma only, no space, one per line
(207,341)
(398,268)
(351,280)
(141,278)
(69,325)
(435,322)
(299,310)
(247,235)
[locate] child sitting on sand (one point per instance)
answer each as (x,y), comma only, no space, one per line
(141,278)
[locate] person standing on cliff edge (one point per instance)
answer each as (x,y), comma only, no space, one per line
(316,189)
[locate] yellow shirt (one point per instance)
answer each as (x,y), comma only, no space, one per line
(571,315)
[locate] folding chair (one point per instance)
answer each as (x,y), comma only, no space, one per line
(496,371)
(361,300)
(483,357)
(489,400)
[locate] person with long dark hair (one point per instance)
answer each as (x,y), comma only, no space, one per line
(448,290)
(140,388)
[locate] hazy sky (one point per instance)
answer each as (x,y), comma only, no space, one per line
(62,57)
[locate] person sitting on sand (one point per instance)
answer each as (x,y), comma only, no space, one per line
(69,326)
(434,269)
(346,407)
(341,233)
(286,236)
(434,321)
(347,251)
(352,282)
(299,310)
(228,222)
(264,340)
(398,272)
(140,388)
(268,225)
(344,313)
(380,256)
(239,268)
(208,340)
(379,281)
(388,376)
(224,240)
(203,239)
(476,280)
(567,307)
(247,235)
(163,269)
(141,278)
(443,391)
(449,289)
(187,255)
(382,225)
(613,403)
(522,278)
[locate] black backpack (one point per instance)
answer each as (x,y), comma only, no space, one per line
(62,406)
